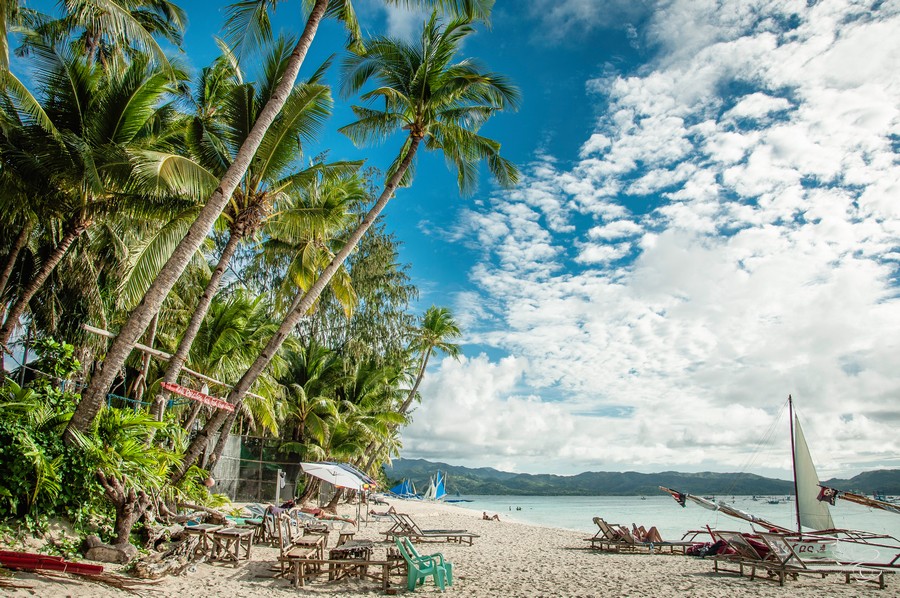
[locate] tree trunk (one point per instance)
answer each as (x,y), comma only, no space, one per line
(140,385)
(190,334)
(102,380)
(12,319)
(224,433)
(331,507)
(199,442)
(11,259)
(129,505)
(237,393)
(195,411)
(404,407)
(412,393)
(312,488)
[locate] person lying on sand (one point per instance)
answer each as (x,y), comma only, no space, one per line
(384,514)
(485,516)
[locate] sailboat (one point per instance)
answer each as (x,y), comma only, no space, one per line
(405,489)
(436,489)
(811,508)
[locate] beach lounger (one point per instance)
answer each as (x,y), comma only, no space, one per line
(786,561)
(405,526)
(611,537)
(673,546)
(772,553)
(606,535)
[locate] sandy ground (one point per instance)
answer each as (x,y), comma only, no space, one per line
(508,559)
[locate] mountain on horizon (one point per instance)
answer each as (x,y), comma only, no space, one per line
(487,480)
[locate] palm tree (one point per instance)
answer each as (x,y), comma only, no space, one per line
(439,103)
(269,177)
(140,317)
(379,325)
(112,31)
(437,330)
(87,120)
(314,211)
(227,342)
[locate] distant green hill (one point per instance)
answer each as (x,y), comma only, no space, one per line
(486,480)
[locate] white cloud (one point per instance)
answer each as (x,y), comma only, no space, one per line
(404,23)
(763,263)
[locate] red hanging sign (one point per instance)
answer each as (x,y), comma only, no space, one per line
(196,395)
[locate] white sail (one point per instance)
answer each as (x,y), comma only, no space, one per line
(813,512)
(429,494)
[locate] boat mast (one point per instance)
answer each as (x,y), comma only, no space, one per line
(794,464)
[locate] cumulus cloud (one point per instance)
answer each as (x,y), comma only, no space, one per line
(728,236)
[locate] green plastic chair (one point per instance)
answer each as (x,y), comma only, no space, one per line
(437,556)
(421,568)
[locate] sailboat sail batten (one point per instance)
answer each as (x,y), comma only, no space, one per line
(813,513)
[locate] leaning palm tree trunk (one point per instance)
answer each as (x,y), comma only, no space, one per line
(102,380)
(217,451)
(372,452)
(19,307)
(236,396)
(193,328)
(11,259)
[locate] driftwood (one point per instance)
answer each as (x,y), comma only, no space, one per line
(157,534)
(212,516)
(171,562)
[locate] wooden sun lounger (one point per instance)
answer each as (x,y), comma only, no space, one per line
(617,538)
(781,561)
(405,526)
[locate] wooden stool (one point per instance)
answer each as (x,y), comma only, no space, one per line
(344,537)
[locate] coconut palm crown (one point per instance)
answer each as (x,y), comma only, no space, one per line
(440,103)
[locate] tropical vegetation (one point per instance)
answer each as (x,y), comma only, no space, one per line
(162,230)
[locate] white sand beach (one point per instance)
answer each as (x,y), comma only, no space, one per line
(508,559)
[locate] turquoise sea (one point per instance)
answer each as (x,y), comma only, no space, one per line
(672,520)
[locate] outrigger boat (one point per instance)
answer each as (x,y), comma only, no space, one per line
(812,512)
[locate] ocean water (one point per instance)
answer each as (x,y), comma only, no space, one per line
(672,520)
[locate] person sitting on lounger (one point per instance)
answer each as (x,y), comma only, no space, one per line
(486,517)
(644,535)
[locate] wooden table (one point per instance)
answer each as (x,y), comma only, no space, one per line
(382,570)
(355,551)
(314,541)
(227,543)
(202,530)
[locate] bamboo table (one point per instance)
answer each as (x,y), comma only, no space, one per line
(203,531)
(227,543)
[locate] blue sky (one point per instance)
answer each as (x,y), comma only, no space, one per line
(708,221)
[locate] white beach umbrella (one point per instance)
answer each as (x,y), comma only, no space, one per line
(335,474)
(341,475)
